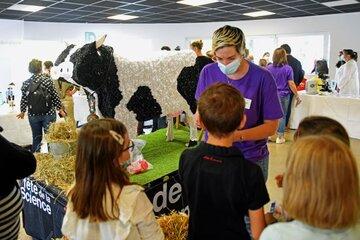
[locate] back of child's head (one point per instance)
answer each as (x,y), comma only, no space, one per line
(321,183)
(100,144)
(316,125)
(221,109)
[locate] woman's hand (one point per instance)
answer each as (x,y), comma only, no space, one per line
(298,100)
(21,115)
(279,180)
(62,113)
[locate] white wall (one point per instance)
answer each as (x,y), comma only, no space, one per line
(137,39)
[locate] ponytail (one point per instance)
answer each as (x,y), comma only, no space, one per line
(351,53)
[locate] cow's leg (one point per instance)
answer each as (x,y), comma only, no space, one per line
(193,130)
(170,128)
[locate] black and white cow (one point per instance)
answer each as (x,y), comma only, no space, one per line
(128,90)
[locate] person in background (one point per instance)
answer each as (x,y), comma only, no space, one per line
(201,61)
(340,61)
(47,68)
(209,54)
(103,204)
(40,98)
(66,91)
(266,56)
(318,125)
(263,62)
(219,185)
(321,192)
(257,85)
(284,79)
(165,48)
(295,64)
(348,75)
(17,163)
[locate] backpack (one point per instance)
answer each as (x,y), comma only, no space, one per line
(39,99)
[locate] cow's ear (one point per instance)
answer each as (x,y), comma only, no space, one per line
(100,41)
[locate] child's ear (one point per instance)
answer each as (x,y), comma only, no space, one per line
(243,121)
(200,122)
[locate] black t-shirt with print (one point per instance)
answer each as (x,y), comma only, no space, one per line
(220,186)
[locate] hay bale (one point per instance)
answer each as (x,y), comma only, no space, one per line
(62,139)
(174,225)
(61,132)
(58,173)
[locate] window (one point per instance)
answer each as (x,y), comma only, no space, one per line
(306,47)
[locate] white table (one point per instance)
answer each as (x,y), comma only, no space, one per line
(15,130)
(346,110)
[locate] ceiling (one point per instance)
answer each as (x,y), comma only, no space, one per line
(166,11)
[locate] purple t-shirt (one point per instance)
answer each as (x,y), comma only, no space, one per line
(261,99)
(282,75)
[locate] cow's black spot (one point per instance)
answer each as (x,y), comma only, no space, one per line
(61,58)
(188,79)
(98,73)
(144,105)
(186,85)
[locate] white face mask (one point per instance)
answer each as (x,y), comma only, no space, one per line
(231,67)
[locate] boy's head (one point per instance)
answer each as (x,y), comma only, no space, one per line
(321,183)
(316,125)
(221,110)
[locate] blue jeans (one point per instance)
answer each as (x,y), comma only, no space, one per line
(264,165)
(37,124)
(284,105)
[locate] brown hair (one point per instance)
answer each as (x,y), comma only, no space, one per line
(315,125)
(35,66)
(321,183)
(279,57)
(263,62)
(48,64)
(197,44)
(221,109)
(97,169)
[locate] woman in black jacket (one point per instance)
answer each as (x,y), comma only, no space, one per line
(17,163)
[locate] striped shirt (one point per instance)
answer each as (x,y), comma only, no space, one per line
(10,208)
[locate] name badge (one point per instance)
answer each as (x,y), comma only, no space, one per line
(247,103)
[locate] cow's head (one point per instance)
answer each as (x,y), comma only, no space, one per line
(93,67)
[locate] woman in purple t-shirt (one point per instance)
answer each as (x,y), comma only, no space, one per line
(284,78)
(262,108)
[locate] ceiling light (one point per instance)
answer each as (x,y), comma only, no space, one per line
(339,3)
(259,13)
(122,17)
(25,7)
(197,2)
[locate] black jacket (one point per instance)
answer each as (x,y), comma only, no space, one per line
(297,68)
(17,163)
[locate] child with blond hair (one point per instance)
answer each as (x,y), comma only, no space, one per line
(321,192)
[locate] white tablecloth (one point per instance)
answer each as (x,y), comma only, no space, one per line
(346,110)
(15,130)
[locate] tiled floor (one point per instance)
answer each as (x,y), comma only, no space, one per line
(278,154)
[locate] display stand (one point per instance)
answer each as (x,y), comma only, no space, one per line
(44,205)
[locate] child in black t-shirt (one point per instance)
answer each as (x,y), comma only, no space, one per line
(219,186)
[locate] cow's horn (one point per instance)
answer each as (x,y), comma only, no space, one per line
(100,41)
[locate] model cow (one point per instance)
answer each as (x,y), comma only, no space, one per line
(128,90)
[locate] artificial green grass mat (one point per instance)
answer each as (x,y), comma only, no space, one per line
(163,155)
